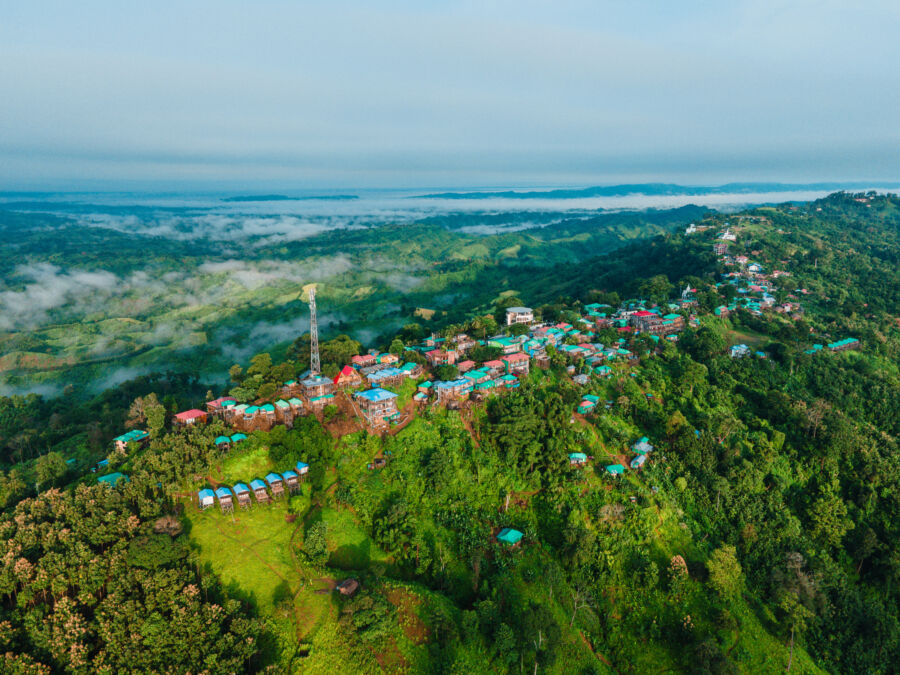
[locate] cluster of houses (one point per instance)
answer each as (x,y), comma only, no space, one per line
(258,488)
(837,346)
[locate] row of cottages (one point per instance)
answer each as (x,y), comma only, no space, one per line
(217,407)
(377,405)
(225,442)
(844,345)
(138,436)
(276,482)
(517,315)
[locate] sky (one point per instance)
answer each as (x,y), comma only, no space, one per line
(424,94)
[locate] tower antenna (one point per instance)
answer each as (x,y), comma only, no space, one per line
(314,366)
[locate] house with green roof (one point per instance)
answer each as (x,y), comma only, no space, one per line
(509,536)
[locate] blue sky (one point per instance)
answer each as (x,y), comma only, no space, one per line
(446,94)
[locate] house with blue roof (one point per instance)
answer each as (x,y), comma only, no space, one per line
(134,436)
(292,480)
(276,482)
(577,458)
(226,499)
(638,461)
(302,468)
(222,442)
(509,536)
(259,490)
(243,495)
(377,404)
(206,498)
(642,446)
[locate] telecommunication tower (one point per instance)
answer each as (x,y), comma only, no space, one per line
(314,366)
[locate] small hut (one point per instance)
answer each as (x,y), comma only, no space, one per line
(226,499)
(223,442)
(112,479)
(577,458)
(292,480)
(206,498)
(237,438)
(348,587)
(259,490)
(509,536)
(276,483)
(243,495)
(302,469)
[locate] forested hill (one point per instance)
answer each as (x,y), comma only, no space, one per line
(759,533)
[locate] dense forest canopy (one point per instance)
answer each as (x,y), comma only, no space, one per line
(761,534)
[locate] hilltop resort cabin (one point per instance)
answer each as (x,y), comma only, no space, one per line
(348,587)
(302,469)
(642,446)
(206,498)
(316,385)
(516,363)
(292,480)
(452,390)
(190,417)
(223,442)
(276,482)
(844,345)
(243,495)
(615,470)
(509,536)
(578,458)
(638,461)
(112,479)
(217,407)
(377,404)
(516,315)
(134,436)
(226,499)
(259,491)
(347,378)
(740,351)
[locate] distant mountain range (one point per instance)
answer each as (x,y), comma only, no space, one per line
(664,189)
(285,198)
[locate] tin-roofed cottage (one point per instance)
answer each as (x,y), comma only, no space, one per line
(259,490)
(243,495)
(134,436)
(292,480)
(206,498)
(226,499)
(509,536)
(276,482)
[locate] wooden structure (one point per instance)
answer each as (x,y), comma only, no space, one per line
(292,480)
(242,492)
(226,499)
(206,498)
(348,587)
(276,482)
(259,491)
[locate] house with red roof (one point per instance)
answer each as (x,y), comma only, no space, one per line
(516,364)
(189,417)
(348,377)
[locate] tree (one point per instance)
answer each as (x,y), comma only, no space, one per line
(315,545)
(397,347)
(156,415)
(50,468)
(725,573)
(446,372)
(829,519)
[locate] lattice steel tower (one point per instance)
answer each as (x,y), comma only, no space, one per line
(314,366)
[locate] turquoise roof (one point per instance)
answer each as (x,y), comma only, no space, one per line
(112,478)
(509,536)
(615,469)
